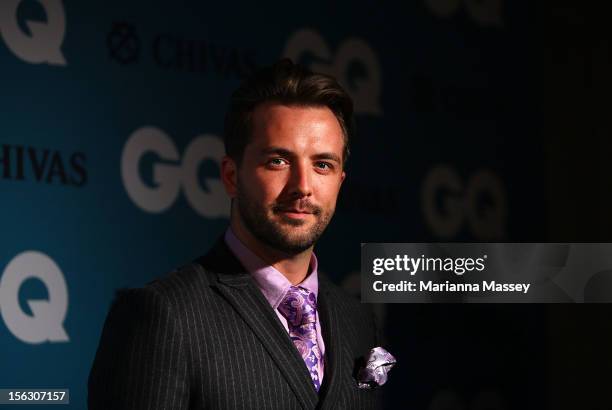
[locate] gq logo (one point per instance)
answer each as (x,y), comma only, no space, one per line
(46,321)
(364,88)
(448,202)
(43,43)
(173,173)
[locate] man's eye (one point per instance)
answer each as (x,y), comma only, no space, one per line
(324,165)
(277,162)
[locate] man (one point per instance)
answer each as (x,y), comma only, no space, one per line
(252,324)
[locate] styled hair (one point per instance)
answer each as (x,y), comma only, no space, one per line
(285,83)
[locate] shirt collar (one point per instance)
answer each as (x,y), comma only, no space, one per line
(272,283)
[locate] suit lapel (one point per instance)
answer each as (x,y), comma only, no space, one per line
(334,352)
(240,290)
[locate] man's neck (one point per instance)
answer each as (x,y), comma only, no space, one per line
(293,267)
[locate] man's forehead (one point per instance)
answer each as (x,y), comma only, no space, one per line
(309,126)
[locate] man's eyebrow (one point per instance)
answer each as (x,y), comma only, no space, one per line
(277,150)
(328,155)
(287,153)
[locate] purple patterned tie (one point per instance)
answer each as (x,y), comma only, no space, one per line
(299,307)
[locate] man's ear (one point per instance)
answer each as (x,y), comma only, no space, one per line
(342,177)
(229,176)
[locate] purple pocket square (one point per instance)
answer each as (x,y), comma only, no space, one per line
(374,374)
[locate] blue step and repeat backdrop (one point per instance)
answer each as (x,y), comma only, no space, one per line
(111,117)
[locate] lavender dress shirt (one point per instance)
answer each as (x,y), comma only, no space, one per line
(274,285)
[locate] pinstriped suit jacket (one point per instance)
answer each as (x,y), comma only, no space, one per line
(205,337)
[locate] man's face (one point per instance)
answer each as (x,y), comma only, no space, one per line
(291,172)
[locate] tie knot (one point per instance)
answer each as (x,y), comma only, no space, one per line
(299,306)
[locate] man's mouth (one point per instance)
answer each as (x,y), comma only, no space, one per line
(295,212)
(299,210)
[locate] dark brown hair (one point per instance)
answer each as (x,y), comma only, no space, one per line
(286,83)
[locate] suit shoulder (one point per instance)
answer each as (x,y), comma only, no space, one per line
(179,285)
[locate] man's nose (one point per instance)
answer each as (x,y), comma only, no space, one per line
(300,184)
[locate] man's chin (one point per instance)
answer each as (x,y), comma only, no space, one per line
(295,219)
(293,241)
(289,227)
(294,247)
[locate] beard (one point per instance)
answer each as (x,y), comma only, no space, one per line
(271,227)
